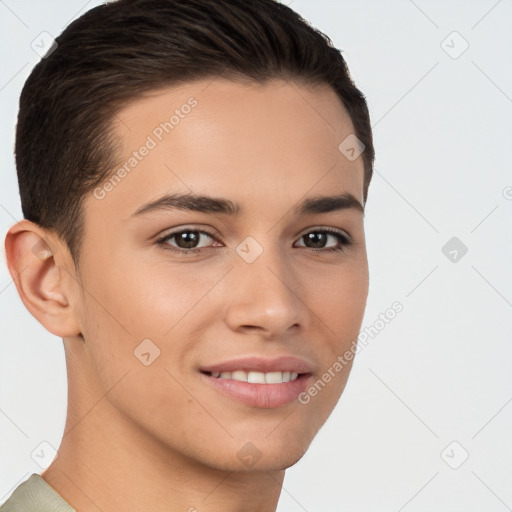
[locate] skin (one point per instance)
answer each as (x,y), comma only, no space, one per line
(157,437)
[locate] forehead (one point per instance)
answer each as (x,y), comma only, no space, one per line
(276,140)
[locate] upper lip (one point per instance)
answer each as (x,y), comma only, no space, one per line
(259,364)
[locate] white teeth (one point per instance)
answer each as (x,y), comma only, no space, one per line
(257,377)
(238,375)
(273,378)
(253,377)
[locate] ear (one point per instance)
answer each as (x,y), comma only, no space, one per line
(42,280)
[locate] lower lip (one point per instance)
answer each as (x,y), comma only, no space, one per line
(265,396)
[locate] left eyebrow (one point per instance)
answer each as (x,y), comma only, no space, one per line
(206,204)
(326,204)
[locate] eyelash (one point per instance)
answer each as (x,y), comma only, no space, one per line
(344,240)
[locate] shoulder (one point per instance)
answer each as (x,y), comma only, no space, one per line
(35,495)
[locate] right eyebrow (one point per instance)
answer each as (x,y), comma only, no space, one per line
(192,202)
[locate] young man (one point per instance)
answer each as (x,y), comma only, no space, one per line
(193,175)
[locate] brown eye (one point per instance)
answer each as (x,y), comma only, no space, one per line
(319,239)
(316,239)
(186,240)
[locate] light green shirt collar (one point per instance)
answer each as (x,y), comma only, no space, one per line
(35,495)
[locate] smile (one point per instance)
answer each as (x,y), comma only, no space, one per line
(255,377)
(262,393)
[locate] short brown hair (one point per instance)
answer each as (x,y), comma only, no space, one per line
(117,51)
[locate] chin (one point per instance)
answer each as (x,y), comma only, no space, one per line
(283,462)
(269,458)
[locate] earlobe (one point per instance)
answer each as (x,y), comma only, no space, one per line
(40,282)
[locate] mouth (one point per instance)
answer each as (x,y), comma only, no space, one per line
(256,377)
(265,390)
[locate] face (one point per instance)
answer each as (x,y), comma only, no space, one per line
(256,268)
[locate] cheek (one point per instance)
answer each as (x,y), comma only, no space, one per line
(138,300)
(337,298)
(131,360)
(128,304)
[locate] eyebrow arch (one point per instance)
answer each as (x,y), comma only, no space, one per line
(206,204)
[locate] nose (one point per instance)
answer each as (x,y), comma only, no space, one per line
(265,296)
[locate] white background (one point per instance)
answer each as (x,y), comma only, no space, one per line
(441,370)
